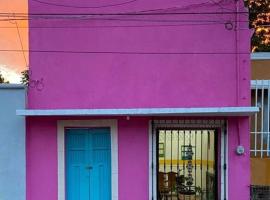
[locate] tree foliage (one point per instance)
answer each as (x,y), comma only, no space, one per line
(2,79)
(25,77)
(260,20)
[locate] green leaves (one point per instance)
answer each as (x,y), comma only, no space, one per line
(25,77)
(259,17)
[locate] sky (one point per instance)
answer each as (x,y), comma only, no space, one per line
(12,63)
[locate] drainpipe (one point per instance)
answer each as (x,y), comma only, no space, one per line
(237,51)
(237,59)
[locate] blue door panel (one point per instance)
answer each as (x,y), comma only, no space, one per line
(88,164)
(101,161)
(76,160)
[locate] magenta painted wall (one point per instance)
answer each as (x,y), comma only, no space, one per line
(133,159)
(195,79)
(238,166)
(213,71)
(42,158)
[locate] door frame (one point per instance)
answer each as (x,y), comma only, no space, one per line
(220,125)
(108,123)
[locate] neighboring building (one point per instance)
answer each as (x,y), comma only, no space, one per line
(260,127)
(12,143)
(151,105)
(260,63)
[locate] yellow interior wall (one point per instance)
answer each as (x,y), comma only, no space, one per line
(260,69)
(174,159)
(260,171)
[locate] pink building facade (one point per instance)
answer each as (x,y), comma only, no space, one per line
(138,68)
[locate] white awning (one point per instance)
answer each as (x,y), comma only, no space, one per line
(211,111)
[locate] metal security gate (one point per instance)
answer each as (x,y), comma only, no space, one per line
(260,141)
(260,122)
(187,154)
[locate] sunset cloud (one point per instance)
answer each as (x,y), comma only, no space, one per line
(12,63)
(11,75)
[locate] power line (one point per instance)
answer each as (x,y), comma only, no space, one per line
(220,6)
(19,35)
(127,13)
(103,6)
(158,23)
(123,52)
(124,13)
(94,7)
(118,26)
(5,17)
(131,1)
(130,19)
(58,16)
(80,16)
(135,13)
(123,26)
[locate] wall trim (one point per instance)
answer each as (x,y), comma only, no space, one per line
(260,56)
(12,86)
(61,124)
(206,111)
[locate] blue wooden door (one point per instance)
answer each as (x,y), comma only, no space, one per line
(88,164)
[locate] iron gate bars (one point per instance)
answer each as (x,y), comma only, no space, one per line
(186,164)
(260,122)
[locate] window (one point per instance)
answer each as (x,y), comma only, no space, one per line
(260,141)
(187,160)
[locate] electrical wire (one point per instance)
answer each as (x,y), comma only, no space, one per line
(101,18)
(84,16)
(221,7)
(135,13)
(127,2)
(138,13)
(8,17)
(146,22)
(118,26)
(124,26)
(124,52)
(20,39)
(20,17)
(93,7)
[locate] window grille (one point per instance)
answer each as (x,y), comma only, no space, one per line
(259,192)
(186,159)
(260,129)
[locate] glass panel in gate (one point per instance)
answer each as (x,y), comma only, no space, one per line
(186,164)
